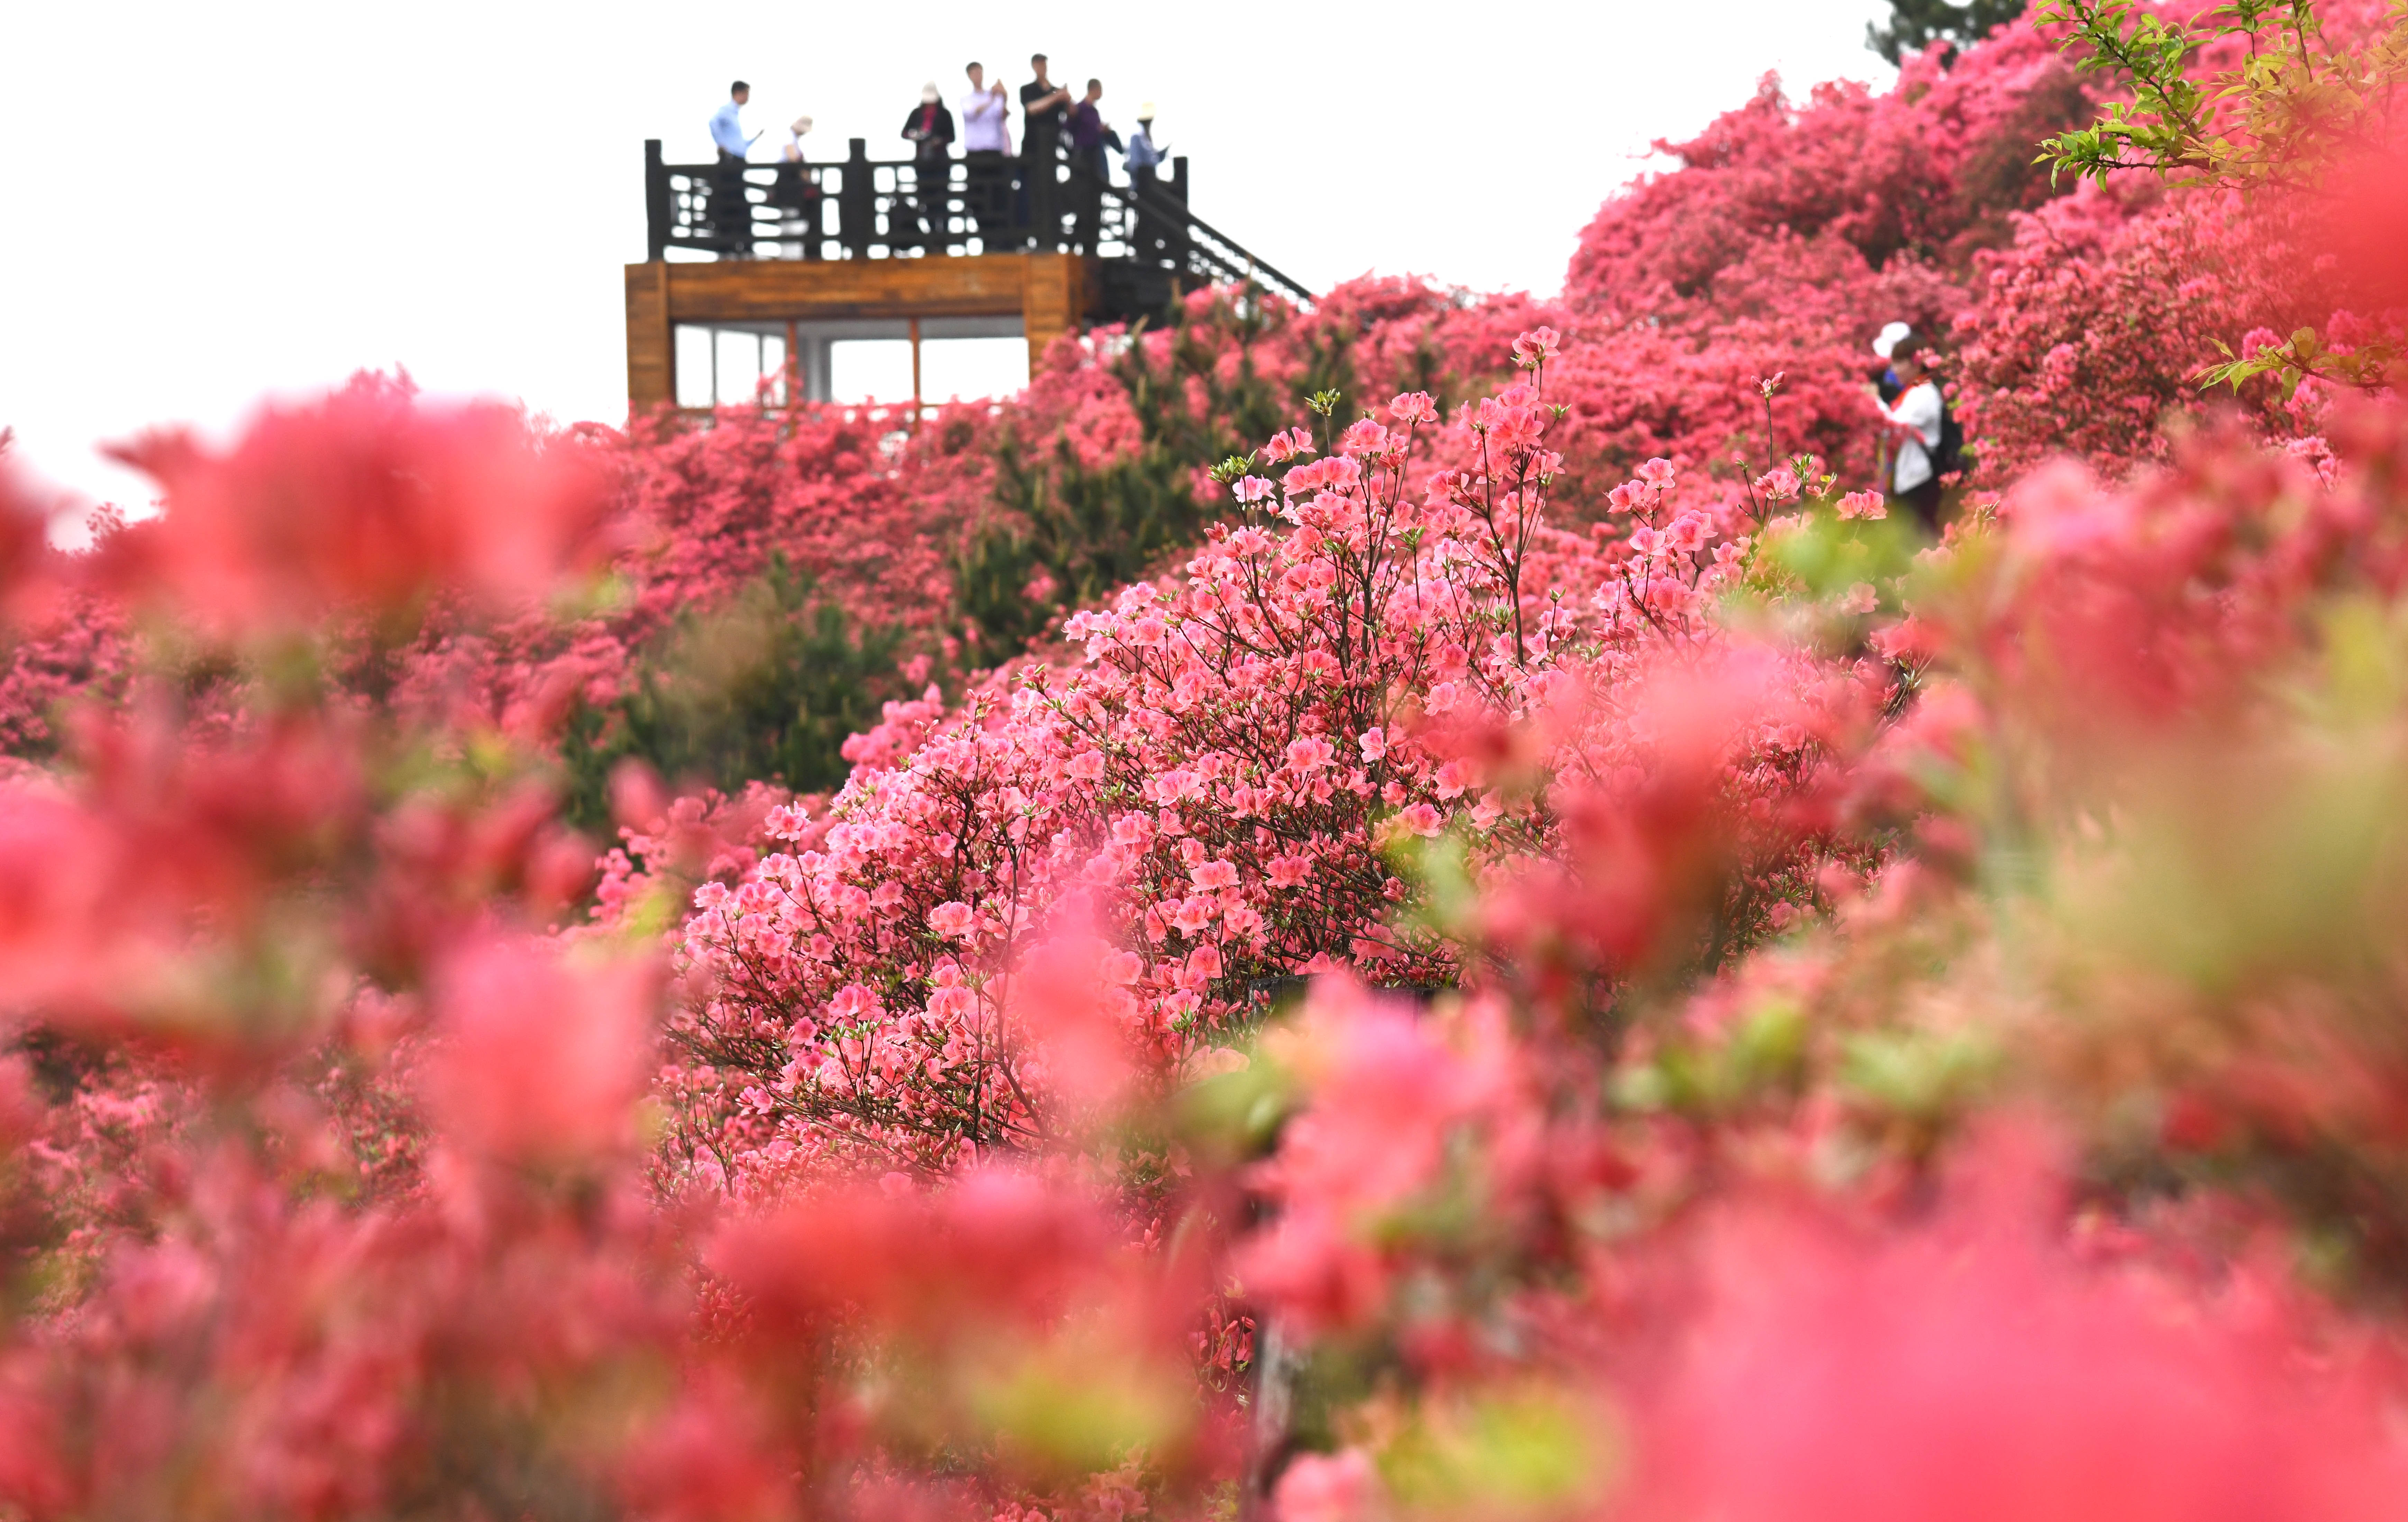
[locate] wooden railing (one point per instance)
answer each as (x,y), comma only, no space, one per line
(1147,241)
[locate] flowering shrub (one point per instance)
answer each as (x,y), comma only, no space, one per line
(1467,992)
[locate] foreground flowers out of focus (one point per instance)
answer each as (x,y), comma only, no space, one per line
(1488,978)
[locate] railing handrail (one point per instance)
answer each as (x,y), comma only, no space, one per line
(1149,221)
(1167,205)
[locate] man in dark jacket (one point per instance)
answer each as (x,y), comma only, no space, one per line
(930,129)
(1044,108)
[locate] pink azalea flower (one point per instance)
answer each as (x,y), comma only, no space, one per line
(1536,346)
(1194,914)
(1310,753)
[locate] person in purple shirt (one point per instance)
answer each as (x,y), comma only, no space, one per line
(1089,136)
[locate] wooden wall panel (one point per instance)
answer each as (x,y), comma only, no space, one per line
(651,346)
(740,290)
(1050,293)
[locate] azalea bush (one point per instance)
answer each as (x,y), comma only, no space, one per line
(1494,944)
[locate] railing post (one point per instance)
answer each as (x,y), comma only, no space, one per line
(656,202)
(1177,248)
(857,200)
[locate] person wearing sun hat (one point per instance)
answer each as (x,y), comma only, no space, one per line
(1884,345)
(1142,159)
(1140,155)
(930,129)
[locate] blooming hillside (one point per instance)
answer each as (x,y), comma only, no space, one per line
(1392,935)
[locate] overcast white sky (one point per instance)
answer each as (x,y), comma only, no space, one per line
(207,202)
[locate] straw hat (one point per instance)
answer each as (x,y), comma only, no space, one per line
(1145,112)
(802,124)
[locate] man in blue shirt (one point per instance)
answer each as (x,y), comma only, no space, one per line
(726,130)
(1142,159)
(1142,155)
(731,208)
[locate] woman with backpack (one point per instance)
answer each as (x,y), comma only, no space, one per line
(1920,429)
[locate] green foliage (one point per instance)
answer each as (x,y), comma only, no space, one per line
(769,687)
(1917,24)
(2295,103)
(1067,537)
(2302,354)
(1068,533)
(2296,108)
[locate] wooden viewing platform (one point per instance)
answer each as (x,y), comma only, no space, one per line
(810,255)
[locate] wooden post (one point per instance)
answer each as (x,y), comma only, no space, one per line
(793,368)
(651,341)
(656,202)
(1051,302)
(856,199)
(915,372)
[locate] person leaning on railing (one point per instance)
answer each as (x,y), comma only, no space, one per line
(796,195)
(986,139)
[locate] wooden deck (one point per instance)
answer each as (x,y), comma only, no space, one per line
(1050,292)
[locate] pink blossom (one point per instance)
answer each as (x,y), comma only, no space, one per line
(1284,446)
(1336,1487)
(1308,754)
(1193,916)
(537,1061)
(1536,348)
(1363,436)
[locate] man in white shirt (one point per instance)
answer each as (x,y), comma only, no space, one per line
(986,144)
(1916,422)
